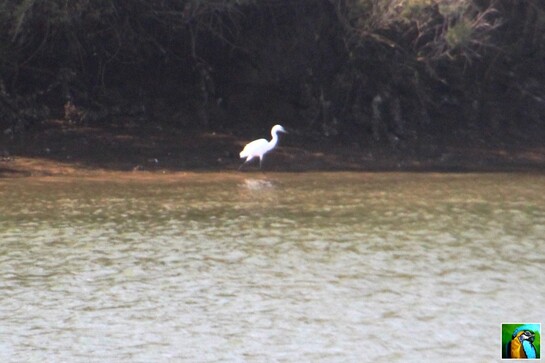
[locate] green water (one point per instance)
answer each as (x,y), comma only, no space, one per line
(269,267)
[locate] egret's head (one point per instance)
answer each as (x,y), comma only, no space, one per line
(278,128)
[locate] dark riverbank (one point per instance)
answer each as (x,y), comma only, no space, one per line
(60,148)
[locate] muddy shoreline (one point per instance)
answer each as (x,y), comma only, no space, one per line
(58,148)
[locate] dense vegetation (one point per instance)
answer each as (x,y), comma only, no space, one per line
(392,72)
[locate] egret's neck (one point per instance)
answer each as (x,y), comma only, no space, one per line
(274,140)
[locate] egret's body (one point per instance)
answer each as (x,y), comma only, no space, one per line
(258,148)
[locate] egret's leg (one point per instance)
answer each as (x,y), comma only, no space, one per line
(245,162)
(260,163)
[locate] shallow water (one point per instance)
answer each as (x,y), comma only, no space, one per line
(212,267)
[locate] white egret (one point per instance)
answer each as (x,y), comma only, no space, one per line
(258,148)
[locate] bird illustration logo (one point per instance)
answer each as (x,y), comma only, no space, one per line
(521,345)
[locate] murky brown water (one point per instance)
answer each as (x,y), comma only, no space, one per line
(332,267)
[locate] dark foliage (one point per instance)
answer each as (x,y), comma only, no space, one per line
(389,71)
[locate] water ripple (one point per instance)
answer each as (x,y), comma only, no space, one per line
(313,267)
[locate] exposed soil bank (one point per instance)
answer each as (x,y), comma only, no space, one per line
(59,148)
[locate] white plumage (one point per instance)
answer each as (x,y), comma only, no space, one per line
(258,148)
